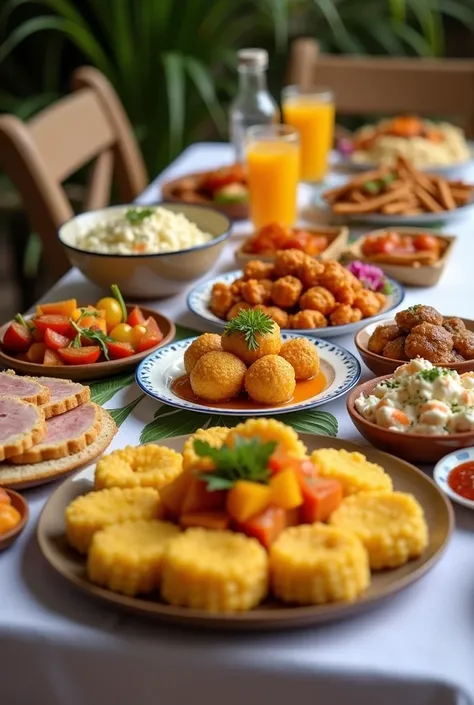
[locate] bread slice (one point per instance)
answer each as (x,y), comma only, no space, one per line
(21,476)
(64,395)
(25,388)
(21,426)
(66,434)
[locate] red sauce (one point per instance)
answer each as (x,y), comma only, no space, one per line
(461,480)
(181,386)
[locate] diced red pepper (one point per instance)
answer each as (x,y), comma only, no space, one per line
(321,497)
(54,340)
(60,324)
(151,337)
(80,356)
(51,357)
(135,317)
(118,350)
(17,337)
(281,461)
(266,526)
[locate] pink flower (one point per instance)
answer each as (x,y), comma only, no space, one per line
(371,277)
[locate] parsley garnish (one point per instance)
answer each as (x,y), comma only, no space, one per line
(387,287)
(371,187)
(414,309)
(246,460)
(27,324)
(251,323)
(95,336)
(136,215)
(433,374)
(390,384)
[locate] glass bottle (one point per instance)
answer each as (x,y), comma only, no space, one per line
(253,104)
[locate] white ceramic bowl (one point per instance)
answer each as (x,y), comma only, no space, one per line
(148,276)
(444,467)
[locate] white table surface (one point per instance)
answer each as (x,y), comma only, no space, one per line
(58,647)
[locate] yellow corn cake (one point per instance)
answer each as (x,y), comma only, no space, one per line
(270,430)
(141,466)
(352,470)
(215,436)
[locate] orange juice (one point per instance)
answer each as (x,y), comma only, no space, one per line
(272,172)
(313,117)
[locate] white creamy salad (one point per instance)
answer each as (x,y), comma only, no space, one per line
(422,398)
(138,231)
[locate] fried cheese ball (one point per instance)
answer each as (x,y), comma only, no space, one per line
(148,465)
(215,436)
(268,344)
(313,564)
(270,380)
(352,470)
(221,299)
(215,571)
(236,287)
(318,299)
(415,315)
(257,291)
(207,342)
(334,276)
(343,314)
(127,557)
(463,344)
(255,269)
(288,263)
(345,294)
(286,291)
(381,336)
(391,525)
(367,302)
(395,349)
(302,356)
(269,430)
(218,376)
(307,319)
(236,309)
(280,317)
(310,271)
(432,342)
(454,325)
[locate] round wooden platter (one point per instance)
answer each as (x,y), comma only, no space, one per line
(97,370)
(21,505)
(171,189)
(270,615)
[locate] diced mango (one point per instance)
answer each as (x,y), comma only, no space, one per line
(217,521)
(199,499)
(321,497)
(172,495)
(286,491)
(60,308)
(246,499)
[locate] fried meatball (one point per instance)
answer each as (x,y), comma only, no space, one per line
(257,291)
(302,356)
(345,294)
(310,271)
(221,299)
(456,357)
(454,325)
(276,314)
(286,291)
(288,262)
(318,299)
(236,309)
(395,349)
(432,342)
(208,342)
(381,336)
(307,319)
(413,316)
(268,344)
(367,302)
(255,269)
(218,376)
(463,344)
(270,380)
(344,314)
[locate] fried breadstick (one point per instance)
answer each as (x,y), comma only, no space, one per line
(427,201)
(333,194)
(445,196)
(396,208)
(372,205)
(421,179)
(461,197)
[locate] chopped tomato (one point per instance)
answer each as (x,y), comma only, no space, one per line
(119,350)
(60,324)
(17,337)
(95,319)
(321,497)
(58,308)
(381,244)
(51,357)
(36,353)
(215,180)
(135,317)
(54,340)
(307,242)
(426,242)
(266,526)
(151,337)
(80,356)
(281,461)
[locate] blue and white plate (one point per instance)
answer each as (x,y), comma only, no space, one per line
(156,373)
(199,297)
(444,467)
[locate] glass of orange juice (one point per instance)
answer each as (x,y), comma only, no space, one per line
(312,113)
(273,163)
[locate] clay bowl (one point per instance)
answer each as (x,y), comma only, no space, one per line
(20,504)
(415,447)
(380,365)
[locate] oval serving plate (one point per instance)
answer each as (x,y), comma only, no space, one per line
(444,466)
(20,504)
(156,374)
(97,370)
(270,615)
(199,297)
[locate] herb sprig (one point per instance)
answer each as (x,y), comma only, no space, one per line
(136,215)
(433,374)
(251,323)
(246,460)
(95,336)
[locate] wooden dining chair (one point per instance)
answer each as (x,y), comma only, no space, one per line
(387,85)
(87,127)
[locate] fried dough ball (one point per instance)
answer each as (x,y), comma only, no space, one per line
(255,269)
(345,314)
(257,291)
(288,262)
(208,342)
(307,319)
(302,356)
(318,299)
(218,376)
(395,349)
(432,342)
(270,380)
(381,336)
(310,271)
(464,344)
(276,314)
(345,294)
(353,282)
(334,276)
(236,287)
(413,316)
(221,299)
(286,291)
(367,302)
(454,325)
(236,309)
(268,344)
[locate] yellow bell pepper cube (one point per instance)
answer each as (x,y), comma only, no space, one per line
(285,489)
(246,499)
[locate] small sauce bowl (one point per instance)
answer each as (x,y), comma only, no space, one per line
(445,466)
(17,501)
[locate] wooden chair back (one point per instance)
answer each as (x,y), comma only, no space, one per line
(89,124)
(387,85)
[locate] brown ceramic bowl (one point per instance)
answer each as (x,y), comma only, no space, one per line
(415,447)
(20,504)
(173,191)
(380,365)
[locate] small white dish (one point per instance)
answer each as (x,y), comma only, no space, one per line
(445,466)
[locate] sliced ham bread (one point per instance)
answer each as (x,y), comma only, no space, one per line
(20,476)
(21,426)
(66,434)
(25,388)
(64,395)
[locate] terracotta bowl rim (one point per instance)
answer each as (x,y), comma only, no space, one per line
(25,515)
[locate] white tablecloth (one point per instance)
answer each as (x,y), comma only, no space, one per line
(58,647)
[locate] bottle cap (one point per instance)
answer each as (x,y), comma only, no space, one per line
(253,58)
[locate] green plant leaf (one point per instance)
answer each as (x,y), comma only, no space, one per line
(121,414)
(182,333)
(176,90)
(313,421)
(203,81)
(104,390)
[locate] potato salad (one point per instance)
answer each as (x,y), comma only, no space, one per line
(422,398)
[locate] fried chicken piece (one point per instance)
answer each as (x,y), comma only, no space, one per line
(381,336)
(334,276)
(345,294)
(318,299)
(308,319)
(255,269)
(277,314)
(236,309)
(415,315)
(288,262)
(310,271)
(454,325)
(367,302)
(257,291)
(463,344)
(395,349)
(456,357)
(345,314)
(236,287)
(286,291)
(353,282)
(221,299)
(432,342)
